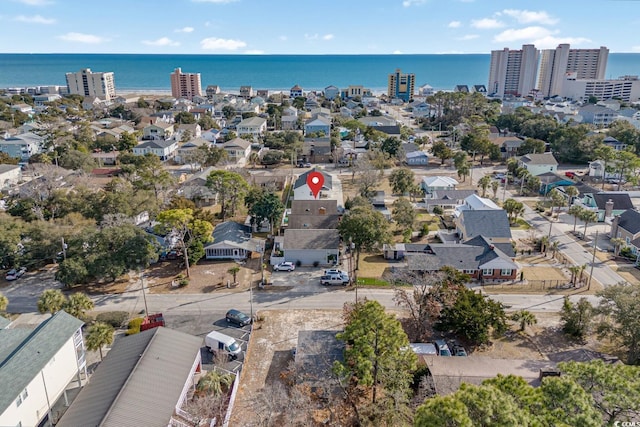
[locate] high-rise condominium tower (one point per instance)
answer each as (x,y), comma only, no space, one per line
(185,85)
(401,85)
(87,83)
(513,72)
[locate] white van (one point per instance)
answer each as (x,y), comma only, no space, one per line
(219,342)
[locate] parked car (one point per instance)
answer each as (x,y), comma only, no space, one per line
(14,273)
(442,347)
(284,266)
(458,350)
(570,174)
(304,165)
(335,271)
(237,317)
(334,279)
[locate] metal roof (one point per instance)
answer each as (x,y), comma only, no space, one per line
(138,383)
(25,352)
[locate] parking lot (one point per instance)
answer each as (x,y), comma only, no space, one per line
(302,279)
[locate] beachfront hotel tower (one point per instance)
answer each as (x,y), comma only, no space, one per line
(87,83)
(185,85)
(582,64)
(513,72)
(401,85)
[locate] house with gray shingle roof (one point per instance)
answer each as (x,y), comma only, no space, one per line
(232,241)
(492,224)
(301,190)
(627,227)
(36,367)
(309,246)
(143,381)
(537,164)
(165,149)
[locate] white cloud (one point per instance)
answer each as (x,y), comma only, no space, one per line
(184,30)
(468,37)
(454,24)
(487,23)
(397,52)
(36,19)
(214,43)
(327,37)
(551,42)
(254,52)
(635,48)
(317,36)
(83,38)
(215,1)
(162,41)
(283,38)
(530,17)
(527,33)
(409,3)
(35,2)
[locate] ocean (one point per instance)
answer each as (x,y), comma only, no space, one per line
(273,72)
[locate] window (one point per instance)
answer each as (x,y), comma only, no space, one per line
(487,272)
(506,272)
(19,400)
(468,271)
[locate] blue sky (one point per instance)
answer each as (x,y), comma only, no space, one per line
(312,26)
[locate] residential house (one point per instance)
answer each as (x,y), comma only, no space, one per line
(290,111)
(446,199)
(295,92)
(626,226)
(212,90)
(508,145)
(426,90)
(289,122)
(379,204)
(232,241)
(320,112)
(145,379)
(246,92)
(317,150)
(237,149)
(268,180)
(22,108)
(301,190)
(606,205)
(158,130)
(192,129)
(549,181)
(432,184)
(318,125)
(461,88)
(331,92)
(476,203)
(22,146)
(597,115)
(389,130)
(481,89)
(309,246)
(478,257)
(37,366)
(346,112)
(537,164)
(106,158)
(10,175)
(376,121)
(165,149)
(185,152)
(313,214)
(263,93)
(491,224)
(254,126)
(195,188)
(417,158)
(421,109)
(614,143)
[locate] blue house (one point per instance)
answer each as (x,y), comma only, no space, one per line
(319,124)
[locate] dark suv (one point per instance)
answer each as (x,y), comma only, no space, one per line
(238,317)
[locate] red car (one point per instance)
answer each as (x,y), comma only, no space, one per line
(570,174)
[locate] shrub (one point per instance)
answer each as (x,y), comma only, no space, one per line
(114,318)
(437,210)
(183,282)
(298,263)
(134,326)
(316,263)
(425,229)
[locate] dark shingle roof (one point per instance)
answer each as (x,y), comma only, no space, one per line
(487,223)
(539,159)
(232,232)
(312,207)
(302,179)
(630,221)
(314,222)
(621,201)
(24,352)
(311,239)
(138,383)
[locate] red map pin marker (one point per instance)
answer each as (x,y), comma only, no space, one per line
(315,181)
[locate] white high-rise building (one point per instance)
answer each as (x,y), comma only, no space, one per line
(87,83)
(582,63)
(513,72)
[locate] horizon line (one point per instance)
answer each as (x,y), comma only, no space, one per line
(266,54)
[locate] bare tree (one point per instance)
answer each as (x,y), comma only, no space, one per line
(206,407)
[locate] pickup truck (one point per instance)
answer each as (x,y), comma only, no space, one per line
(334,279)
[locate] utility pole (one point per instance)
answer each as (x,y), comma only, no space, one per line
(144,294)
(64,248)
(504,189)
(593,260)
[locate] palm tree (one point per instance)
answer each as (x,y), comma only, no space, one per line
(484,183)
(581,270)
(554,248)
(557,200)
(78,304)
(494,187)
(51,301)
(572,192)
(99,335)
(544,243)
(574,269)
(526,318)
(575,211)
(234,270)
(4,302)
(587,216)
(617,243)
(215,383)
(253,159)
(463,171)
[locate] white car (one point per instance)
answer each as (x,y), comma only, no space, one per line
(284,266)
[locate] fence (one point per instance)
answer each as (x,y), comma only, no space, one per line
(534,285)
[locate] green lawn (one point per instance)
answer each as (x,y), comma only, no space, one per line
(520,224)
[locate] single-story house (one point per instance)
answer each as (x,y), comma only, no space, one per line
(165,149)
(145,379)
(476,203)
(417,158)
(492,224)
(309,246)
(431,184)
(232,241)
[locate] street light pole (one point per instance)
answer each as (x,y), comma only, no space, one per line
(593,260)
(144,295)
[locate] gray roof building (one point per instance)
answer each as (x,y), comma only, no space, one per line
(630,221)
(139,383)
(311,239)
(314,207)
(319,222)
(488,223)
(302,179)
(24,353)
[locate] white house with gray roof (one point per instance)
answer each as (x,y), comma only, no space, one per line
(144,380)
(537,164)
(165,149)
(254,126)
(232,241)
(308,246)
(36,367)
(22,146)
(301,190)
